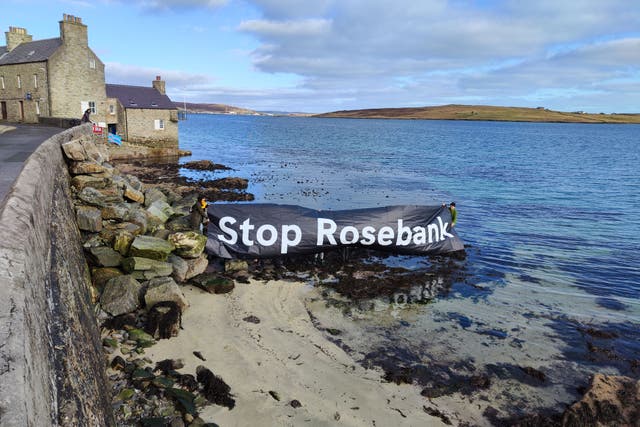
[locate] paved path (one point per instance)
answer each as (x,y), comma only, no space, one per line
(15,147)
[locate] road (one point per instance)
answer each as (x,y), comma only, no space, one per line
(15,147)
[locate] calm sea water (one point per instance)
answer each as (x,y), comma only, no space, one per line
(550,212)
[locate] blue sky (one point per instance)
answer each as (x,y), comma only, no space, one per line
(326,55)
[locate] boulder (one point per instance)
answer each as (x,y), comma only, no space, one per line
(85,148)
(145,268)
(133,194)
(162,233)
(134,182)
(213,283)
(104,256)
(189,244)
(89,218)
(610,401)
(121,295)
(153,195)
(196,266)
(232,265)
(81,182)
(151,247)
(73,150)
(84,168)
(160,210)
(139,217)
(182,223)
(180,268)
(122,241)
(100,197)
(163,289)
(101,275)
(117,212)
(164,320)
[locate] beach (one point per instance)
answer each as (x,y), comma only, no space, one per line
(285,353)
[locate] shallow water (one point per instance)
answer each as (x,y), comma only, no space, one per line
(550,214)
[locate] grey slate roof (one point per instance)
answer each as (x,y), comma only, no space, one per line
(36,51)
(139,97)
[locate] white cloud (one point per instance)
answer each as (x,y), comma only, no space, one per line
(304,28)
(117,73)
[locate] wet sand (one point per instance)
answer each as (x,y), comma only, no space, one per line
(286,354)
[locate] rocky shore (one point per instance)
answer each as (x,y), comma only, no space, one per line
(195,341)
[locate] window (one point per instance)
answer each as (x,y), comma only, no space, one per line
(35,81)
(92,106)
(159,124)
(92,63)
(19,82)
(38,107)
(2,82)
(112,109)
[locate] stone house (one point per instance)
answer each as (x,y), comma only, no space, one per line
(145,115)
(59,77)
(62,77)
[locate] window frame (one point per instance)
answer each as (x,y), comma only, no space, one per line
(19,81)
(93,107)
(158,124)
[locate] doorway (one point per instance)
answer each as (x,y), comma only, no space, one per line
(3,108)
(21,111)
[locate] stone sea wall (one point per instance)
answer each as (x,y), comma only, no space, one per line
(51,359)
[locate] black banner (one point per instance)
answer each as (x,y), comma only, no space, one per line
(270,230)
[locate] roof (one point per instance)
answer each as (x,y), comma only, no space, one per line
(139,97)
(36,51)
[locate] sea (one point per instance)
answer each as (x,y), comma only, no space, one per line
(550,216)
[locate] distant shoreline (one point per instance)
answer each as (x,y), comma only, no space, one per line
(485,113)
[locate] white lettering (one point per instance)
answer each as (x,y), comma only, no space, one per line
(286,242)
(368,236)
(434,234)
(385,236)
(272,232)
(354,235)
(420,235)
(443,229)
(230,231)
(323,231)
(246,227)
(403,231)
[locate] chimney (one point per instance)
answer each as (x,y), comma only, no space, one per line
(16,36)
(159,85)
(73,32)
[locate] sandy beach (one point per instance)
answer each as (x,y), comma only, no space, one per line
(286,354)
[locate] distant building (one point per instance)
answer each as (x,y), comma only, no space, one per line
(62,77)
(145,115)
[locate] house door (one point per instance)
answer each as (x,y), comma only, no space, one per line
(112,128)
(3,107)
(21,110)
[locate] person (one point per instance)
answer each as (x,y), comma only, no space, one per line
(454,213)
(85,117)
(199,215)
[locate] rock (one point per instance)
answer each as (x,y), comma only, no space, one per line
(153,195)
(166,366)
(139,217)
(104,256)
(73,150)
(100,276)
(94,240)
(275,395)
(252,319)
(184,398)
(231,265)
(161,233)
(100,197)
(213,284)
(164,320)
(122,241)
(84,168)
(161,211)
(141,337)
(134,182)
(126,394)
(89,218)
(165,289)
(145,268)
(118,363)
(81,182)
(196,266)
(182,223)
(214,388)
(118,211)
(295,403)
(86,148)
(204,165)
(180,268)
(611,400)
(121,295)
(133,194)
(188,244)
(151,247)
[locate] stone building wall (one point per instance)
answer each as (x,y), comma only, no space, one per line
(141,127)
(72,76)
(13,95)
(51,358)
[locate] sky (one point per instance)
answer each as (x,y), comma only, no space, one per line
(327,55)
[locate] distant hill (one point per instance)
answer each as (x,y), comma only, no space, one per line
(484,112)
(213,109)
